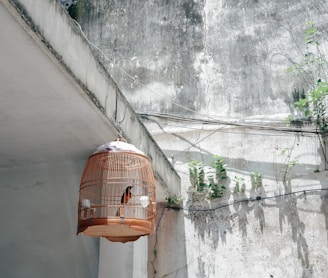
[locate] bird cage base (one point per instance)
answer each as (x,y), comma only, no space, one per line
(122,239)
(115,229)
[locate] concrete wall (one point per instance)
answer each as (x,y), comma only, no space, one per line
(56,28)
(57,104)
(280,235)
(225,59)
(219,58)
(38,205)
(123,260)
(42,155)
(167,252)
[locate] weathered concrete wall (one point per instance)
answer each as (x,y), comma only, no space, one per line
(283,237)
(228,59)
(223,58)
(167,248)
(55,108)
(81,63)
(280,235)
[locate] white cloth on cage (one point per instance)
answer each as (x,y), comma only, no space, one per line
(117,146)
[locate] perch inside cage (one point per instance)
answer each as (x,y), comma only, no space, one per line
(117,194)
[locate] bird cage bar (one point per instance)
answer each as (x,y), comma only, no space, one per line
(117,194)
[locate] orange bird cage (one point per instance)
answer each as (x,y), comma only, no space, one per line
(117,194)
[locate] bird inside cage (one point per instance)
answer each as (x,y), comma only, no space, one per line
(126,196)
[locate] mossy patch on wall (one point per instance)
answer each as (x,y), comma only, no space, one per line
(76,10)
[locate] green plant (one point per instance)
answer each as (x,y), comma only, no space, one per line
(289,119)
(289,163)
(256,180)
(314,105)
(313,65)
(212,181)
(313,69)
(197,175)
(220,173)
(173,200)
(239,184)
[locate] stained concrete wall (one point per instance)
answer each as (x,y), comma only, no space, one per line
(57,104)
(280,235)
(220,58)
(167,252)
(78,58)
(225,59)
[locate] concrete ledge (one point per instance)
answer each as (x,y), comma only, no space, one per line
(62,37)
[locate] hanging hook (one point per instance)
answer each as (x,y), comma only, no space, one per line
(120,136)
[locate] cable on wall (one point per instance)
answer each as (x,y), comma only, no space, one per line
(256,199)
(194,120)
(211,119)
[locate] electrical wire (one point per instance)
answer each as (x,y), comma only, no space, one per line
(222,130)
(210,119)
(256,199)
(237,123)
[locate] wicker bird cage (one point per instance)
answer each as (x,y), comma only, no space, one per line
(117,194)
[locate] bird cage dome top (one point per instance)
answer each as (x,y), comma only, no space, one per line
(117,146)
(117,193)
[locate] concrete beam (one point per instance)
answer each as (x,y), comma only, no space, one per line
(49,20)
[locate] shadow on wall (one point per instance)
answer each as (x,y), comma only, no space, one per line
(212,218)
(270,170)
(243,208)
(211,224)
(288,212)
(213,221)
